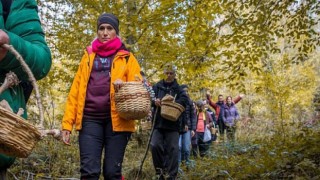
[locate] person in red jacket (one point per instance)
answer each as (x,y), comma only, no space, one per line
(219,108)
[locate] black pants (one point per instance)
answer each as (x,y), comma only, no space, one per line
(194,146)
(165,151)
(93,137)
(222,127)
(202,146)
(231,133)
(3,174)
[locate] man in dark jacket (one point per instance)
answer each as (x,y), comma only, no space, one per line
(165,137)
(187,129)
(20,27)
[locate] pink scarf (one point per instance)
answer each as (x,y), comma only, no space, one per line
(106,49)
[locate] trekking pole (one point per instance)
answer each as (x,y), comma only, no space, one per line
(149,140)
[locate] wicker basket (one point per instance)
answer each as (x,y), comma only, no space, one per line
(171,110)
(132,101)
(17,136)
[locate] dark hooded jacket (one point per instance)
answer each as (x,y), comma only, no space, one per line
(188,117)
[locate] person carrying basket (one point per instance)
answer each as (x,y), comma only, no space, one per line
(165,137)
(105,66)
(20,27)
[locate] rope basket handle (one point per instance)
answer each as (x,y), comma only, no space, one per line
(32,79)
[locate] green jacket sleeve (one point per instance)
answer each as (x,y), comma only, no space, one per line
(26,36)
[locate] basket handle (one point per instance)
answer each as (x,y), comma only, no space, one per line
(174,99)
(32,79)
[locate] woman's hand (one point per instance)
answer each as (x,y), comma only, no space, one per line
(4,39)
(117,84)
(66,137)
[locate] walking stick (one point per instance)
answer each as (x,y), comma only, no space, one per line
(148,145)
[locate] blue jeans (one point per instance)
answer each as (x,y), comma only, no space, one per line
(184,147)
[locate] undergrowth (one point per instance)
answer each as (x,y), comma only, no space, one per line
(257,154)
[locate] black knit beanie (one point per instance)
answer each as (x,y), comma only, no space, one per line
(109,19)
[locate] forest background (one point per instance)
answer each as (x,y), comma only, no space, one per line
(266,49)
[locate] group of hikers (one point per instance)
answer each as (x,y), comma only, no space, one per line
(90,107)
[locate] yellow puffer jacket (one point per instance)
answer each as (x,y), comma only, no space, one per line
(126,70)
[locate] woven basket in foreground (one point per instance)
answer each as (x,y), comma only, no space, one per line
(171,110)
(17,136)
(132,101)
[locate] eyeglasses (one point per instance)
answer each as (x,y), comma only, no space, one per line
(171,73)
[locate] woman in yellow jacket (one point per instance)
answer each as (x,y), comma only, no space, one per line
(90,106)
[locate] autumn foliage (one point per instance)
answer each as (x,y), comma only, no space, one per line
(267,50)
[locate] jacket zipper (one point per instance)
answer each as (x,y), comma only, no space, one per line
(86,87)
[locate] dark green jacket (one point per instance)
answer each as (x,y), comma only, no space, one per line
(26,36)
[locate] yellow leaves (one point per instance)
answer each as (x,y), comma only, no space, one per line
(289,87)
(223,42)
(131,29)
